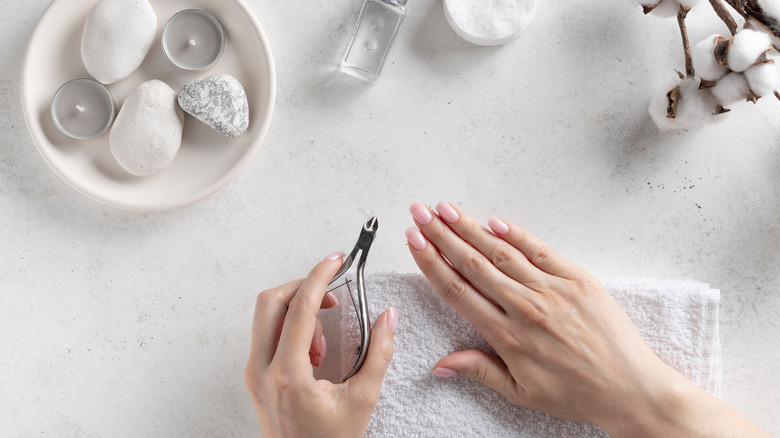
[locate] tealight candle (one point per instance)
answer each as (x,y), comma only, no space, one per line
(193,39)
(83,109)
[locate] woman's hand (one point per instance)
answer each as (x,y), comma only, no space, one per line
(288,400)
(564,346)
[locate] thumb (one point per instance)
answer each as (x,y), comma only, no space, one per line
(483,367)
(380,352)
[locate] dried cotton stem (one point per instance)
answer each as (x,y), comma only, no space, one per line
(724,15)
(689,71)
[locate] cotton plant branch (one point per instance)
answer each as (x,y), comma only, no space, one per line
(719,72)
(689,70)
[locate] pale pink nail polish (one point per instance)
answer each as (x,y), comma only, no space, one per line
(338,255)
(421,213)
(444,372)
(392,319)
(447,213)
(333,298)
(323,346)
(416,239)
(498,226)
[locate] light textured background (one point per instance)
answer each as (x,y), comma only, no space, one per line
(115,323)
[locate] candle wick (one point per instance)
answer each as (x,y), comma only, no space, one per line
(192,43)
(80,108)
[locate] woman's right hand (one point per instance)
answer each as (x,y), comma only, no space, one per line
(564,346)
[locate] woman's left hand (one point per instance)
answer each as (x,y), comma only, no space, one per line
(289,401)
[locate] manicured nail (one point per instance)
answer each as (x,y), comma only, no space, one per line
(447,213)
(332,297)
(444,372)
(323,346)
(318,361)
(338,255)
(416,239)
(421,213)
(392,319)
(498,226)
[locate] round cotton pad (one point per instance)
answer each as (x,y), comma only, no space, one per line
(489,22)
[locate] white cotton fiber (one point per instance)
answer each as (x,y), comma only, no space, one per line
(694,107)
(771,8)
(666,9)
(763,79)
(689,3)
(731,88)
(649,3)
(489,22)
(745,48)
(704,61)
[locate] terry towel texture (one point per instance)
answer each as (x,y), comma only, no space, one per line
(678,319)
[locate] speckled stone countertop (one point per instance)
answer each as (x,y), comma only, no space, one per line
(115,323)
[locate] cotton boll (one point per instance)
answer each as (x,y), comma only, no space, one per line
(666,9)
(763,79)
(688,3)
(771,8)
(658,110)
(731,88)
(745,48)
(696,107)
(649,3)
(704,61)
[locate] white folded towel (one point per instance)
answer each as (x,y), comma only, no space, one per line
(678,319)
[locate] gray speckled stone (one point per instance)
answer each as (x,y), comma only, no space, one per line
(218,101)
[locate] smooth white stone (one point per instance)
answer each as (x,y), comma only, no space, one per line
(117,37)
(218,101)
(146,135)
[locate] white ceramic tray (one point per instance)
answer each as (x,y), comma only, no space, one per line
(207,161)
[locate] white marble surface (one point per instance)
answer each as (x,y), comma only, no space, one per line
(116,323)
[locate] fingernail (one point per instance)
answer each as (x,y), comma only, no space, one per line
(447,213)
(338,255)
(498,226)
(421,213)
(323,346)
(444,372)
(392,319)
(333,298)
(416,239)
(318,361)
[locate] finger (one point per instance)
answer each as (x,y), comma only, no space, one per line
(469,262)
(301,318)
(485,368)
(270,309)
(501,254)
(475,307)
(318,348)
(368,381)
(535,250)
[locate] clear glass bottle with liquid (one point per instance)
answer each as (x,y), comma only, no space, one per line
(375,31)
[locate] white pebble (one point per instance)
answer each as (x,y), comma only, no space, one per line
(117,37)
(704,62)
(146,135)
(489,22)
(763,79)
(745,48)
(731,88)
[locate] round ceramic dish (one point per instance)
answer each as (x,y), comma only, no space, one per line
(207,161)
